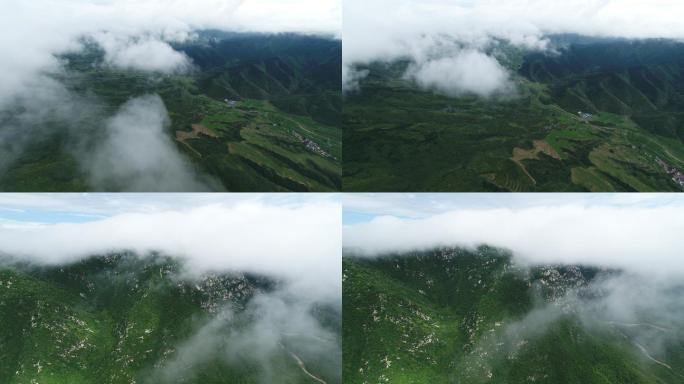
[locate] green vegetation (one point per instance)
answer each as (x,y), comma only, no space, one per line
(458,316)
(271,104)
(400,138)
(124,319)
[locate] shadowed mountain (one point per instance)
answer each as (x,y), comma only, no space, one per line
(640,79)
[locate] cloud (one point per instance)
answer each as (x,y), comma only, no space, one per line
(643,311)
(146,54)
(136,33)
(468,72)
(637,239)
(35,114)
(110,204)
(423,31)
(137,155)
(299,243)
(272,324)
(351,78)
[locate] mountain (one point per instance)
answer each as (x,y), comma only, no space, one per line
(593,115)
(255,112)
(121,318)
(298,74)
(452,315)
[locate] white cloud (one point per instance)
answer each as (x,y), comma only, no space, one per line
(351,78)
(426,30)
(270,319)
(144,54)
(300,243)
(639,239)
(469,71)
(137,155)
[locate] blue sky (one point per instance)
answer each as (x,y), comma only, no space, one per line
(46,216)
(358,207)
(47,208)
(363,207)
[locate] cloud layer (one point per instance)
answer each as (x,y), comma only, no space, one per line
(437,30)
(638,239)
(300,243)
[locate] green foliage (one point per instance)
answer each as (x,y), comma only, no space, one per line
(120,319)
(287,93)
(399,138)
(451,315)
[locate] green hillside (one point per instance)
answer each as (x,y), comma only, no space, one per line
(256,113)
(457,316)
(400,138)
(125,319)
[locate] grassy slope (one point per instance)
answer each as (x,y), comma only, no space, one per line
(256,148)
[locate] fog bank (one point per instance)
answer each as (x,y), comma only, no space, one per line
(299,244)
(430,32)
(640,239)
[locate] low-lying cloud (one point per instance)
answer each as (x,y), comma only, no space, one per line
(299,244)
(467,73)
(272,324)
(637,239)
(136,153)
(441,30)
(146,54)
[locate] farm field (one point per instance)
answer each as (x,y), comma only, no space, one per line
(607,114)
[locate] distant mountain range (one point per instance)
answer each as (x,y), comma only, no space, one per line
(451,315)
(298,74)
(121,318)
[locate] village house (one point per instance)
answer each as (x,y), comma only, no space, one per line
(584,115)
